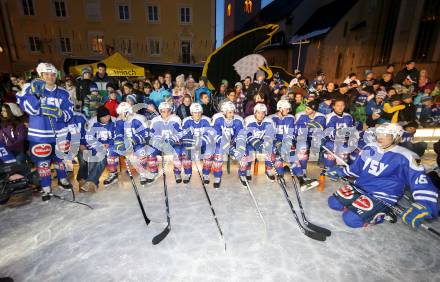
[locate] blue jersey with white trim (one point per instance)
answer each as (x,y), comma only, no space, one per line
(336,122)
(77,128)
(285,126)
(385,174)
(305,124)
(134,128)
(263,131)
(161,129)
(40,128)
(99,134)
(196,130)
(229,129)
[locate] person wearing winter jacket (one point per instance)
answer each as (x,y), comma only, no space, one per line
(112,103)
(83,85)
(13,132)
(102,79)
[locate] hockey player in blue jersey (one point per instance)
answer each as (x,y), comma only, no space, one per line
(100,136)
(165,136)
(131,140)
(260,135)
(284,134)
(196,140)
(338,126)
(49,109)
(78,144)
(383,170)
(306,124)
(227,126)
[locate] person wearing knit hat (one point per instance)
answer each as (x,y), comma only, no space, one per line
(203,87)
(101,135)
(92,101)
(86,70)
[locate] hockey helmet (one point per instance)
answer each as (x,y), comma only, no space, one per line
(260,107)
(46,67)
(124,108)
(195,108)
(164,106)
(390,128)
(227,106)
(283,104)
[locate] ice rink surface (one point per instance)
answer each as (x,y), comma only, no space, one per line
(60,241)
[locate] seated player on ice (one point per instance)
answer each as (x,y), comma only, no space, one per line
(227,126)
(165,131)
(196,140)
(383,169)
(306,124)
(284,134)
(260,135)
(99,137)
(131,135)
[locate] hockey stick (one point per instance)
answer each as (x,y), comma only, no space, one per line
(159,237)
(210,205)
(395,208)
(256,205)
(133,184)
(70,201)
(307,223)
(314,234)
(311,234)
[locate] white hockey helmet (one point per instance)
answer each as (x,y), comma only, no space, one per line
(390,128)
(46,67)
(195,108)
(260,107)
(283,104)
(124,108)
(164,106)
(227,106)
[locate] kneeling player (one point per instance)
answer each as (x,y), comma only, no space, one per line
(383,169)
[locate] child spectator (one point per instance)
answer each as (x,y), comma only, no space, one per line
(112,103)
(183,109)
(92,101)
(430,113)
(208,108)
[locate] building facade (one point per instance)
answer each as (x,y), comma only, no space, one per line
(148,31)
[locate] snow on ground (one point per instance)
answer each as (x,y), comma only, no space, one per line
(59,241)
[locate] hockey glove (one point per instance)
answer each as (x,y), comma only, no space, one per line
(257,144)
(51,111)
(335,173)
(415,215)
(37,86)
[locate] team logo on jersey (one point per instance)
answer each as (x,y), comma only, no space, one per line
(42,150)
(363,203)
(345,192)
(63,146)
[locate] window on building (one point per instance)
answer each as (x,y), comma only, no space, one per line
(338,71)
(390,27)
(152,13)
(93,9)
(60,8)
(153,47)
(65,45)
(185,15)
(34,44)
(123,10)
(97,43)
(28,7)
(428,31)
(125,46)
(185,51)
